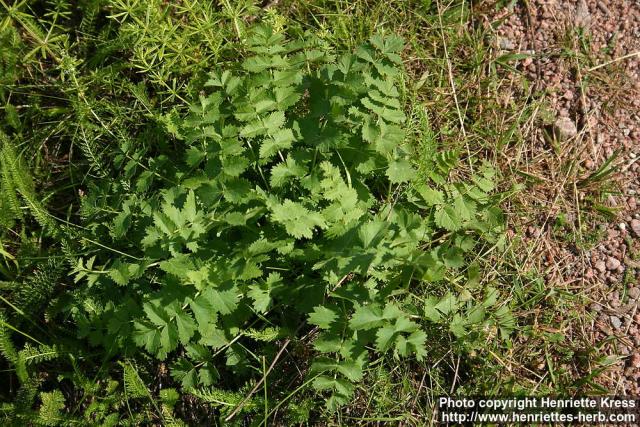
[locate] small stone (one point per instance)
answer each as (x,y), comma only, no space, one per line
(604,8)
(635,226)
(506,44)
(634,293)
(612,264)
(616,322)
(589,164)
(564,128)
(635,360)
(600,266)
(622,226)
(583,17)
(534,231)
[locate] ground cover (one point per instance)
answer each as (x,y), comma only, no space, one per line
(317,212)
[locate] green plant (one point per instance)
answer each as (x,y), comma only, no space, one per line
(286,204)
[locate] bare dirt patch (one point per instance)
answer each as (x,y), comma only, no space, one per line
(584,58)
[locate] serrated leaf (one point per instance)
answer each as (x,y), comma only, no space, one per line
(465,208)
(160,339)
(281,172)
(203,308)
(297,220)
(328,343)
(351,369)
(387,44)
(366,317)
(430,310)
(148,337)
(185,372)
(225,302)
(152,235)
(400,171)
(323,316)
(431,196)
(119,273)
(234,165)
(457,326)
(453,258)
(491,298)
(213,336)
(485,184)
(121,223)
(193,156)
(286,96)
(417,340)
(261,297)
(256,64)
(391,136)
(208,374)
(280,140)
(476,314)
(447,218)
(389,114)
(163,223)
(448,304)
(274,121)
(157,315)
(178,265)
(371,232)
(186,327)
(384,337)
(253,129)
(199,278)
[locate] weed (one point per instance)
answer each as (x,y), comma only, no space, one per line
(196,196)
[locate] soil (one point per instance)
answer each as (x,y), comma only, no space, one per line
(584,55)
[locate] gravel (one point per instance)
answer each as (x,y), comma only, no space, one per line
(635,226)
(506,44)
(613,264)
(602,118)
(616,322)
(583,17)
(635,360)
(565,128)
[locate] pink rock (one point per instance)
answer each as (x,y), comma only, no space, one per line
(635,360)
(612,264)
